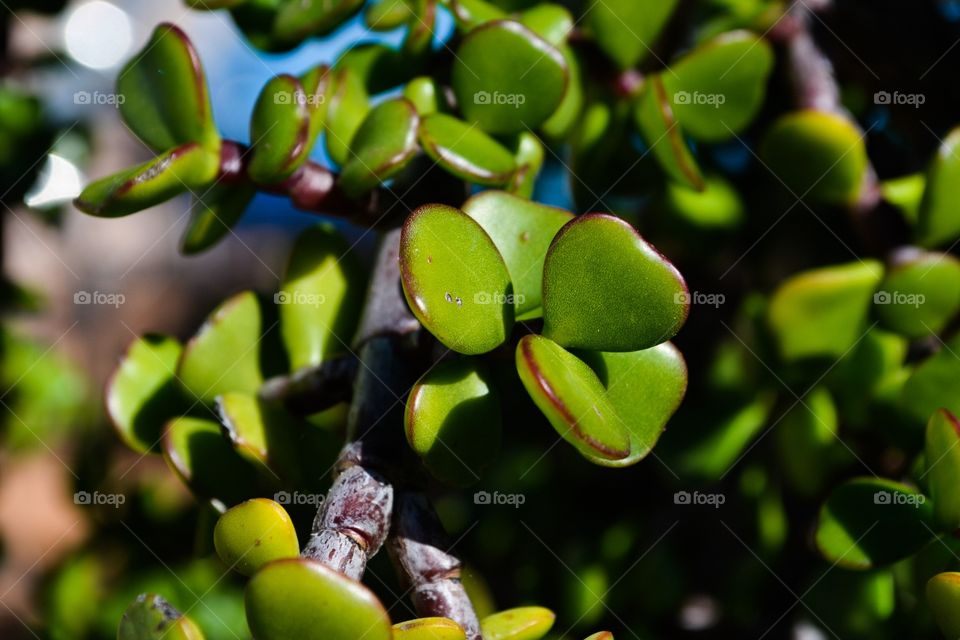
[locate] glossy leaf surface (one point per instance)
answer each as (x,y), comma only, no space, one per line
(606,289)
(254,533)
(381,147)
(466,151)
(455,280)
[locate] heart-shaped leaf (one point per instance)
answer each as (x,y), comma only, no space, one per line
(943,598)
(263,434)
(627,29)
(920,293)
(428,629)
(381,147)
(507,78)
(253,533)
(320,297)
(197,451)
(869,522)
(818,155)
(717,89)
(281,127)
(943,467)
(303,599)
(150,617)
(215,212)
(664,135)
(522,231)
(466,151)
(224,355)
(347,106)
(572,398)
(645,388)
(142,393)
(177,171)
(165,97)
(823,312)
(455,280)
(453,421)
(522,623)
(939,217)
(606,289)
(934,384)
(298,20)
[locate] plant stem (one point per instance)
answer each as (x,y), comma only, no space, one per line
(419,548)
(313,389)
(311,188)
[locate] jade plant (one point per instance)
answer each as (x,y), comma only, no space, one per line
(320,420)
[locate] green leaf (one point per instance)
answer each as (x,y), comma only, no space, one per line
(550,21)
(379,67)
(385,15)
(320,297)
(142,393)
(717,89)
(627,30)
(529,155)
(165,98)
(905,193)
(224,355)
(280,128)
(298,20)
(522,231)
(943,598)
(572,398)
(818,155)
(428,629)
(469,14)
(600,635)
(920,293)
(303,599)
(943,467)
(934,383)
(606,289)
(453,421)
(253,533)
(347,106)
(215,212)
(728,434)
(507,78)
(522,623)
(177,171)
(561,122)
(823,312)
(455,280)
(466,151)
(203,459)
(420,30)
(717,206)
(425,95)
(664,135)
(869,522)
(382,146)
(265,435)
(150,617)
(939,219)
(806,439)
(645,388)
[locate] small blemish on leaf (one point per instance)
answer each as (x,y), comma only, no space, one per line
(448,297)
(525,236)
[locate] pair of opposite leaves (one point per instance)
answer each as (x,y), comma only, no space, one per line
(602,290)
